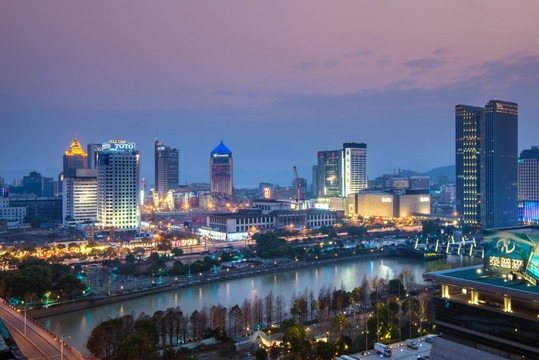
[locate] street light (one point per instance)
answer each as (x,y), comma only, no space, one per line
(24,306)
(62,347)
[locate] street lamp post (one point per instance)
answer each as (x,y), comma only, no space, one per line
(24,308)
(62,347)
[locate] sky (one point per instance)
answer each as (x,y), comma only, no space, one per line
(276,81)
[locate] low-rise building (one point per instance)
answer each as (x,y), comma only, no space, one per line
(387,204)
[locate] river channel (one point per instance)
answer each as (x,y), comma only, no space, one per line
(349,274)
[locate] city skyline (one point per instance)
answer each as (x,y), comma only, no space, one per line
(386,75)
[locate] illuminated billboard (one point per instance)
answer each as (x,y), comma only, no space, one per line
(512,250)
(119,146)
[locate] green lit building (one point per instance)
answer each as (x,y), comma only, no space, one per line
(491,311)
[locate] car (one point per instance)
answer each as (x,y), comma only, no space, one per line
(430,339)
(423,357)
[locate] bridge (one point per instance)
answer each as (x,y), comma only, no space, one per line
(35,341)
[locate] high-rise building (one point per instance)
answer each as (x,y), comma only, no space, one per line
(93,150)
(315,180)
(166,168)
(486,164)
(74,158)
(79,199)
(221,170)
(499,165)
(528,175)
(118,185)
(329,173)
(353,168)
(468,156)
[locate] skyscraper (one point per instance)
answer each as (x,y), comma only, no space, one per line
(221,170)
(329,173)
(79,187)
(166,168)
(93,150)
(118,185)
(353,168)
(74,158)
(528,175)
(486,164)
(499,161)
(468,156)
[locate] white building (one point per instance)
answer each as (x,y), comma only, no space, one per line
(353,168)
(79,199)
(13,214)
(118,186)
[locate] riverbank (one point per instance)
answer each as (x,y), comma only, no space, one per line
(171,285)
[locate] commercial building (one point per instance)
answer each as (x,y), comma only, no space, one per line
(528,175)
(419,182)
(79,200)
(387,204)
(13,214)
(48,208)
(93,150)
(166,168)
(74,158)
(486,164)
(468,163)
(353,168)
(491,311)
(242,225)
(221,170)
(329,173)
(118,186)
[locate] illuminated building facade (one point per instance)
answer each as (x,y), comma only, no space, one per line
(329,173)
(468,155)
(490,311)
(166,168)
(221,170)
(74,158)
(353,168)
(528,175)
(79,200)
(118,186)
(486,164)
(499,165)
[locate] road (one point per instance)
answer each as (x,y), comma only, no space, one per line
(399,351)
(38,343)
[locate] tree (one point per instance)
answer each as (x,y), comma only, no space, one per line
(69,285)
(261,354)
(147,331)
(357,231)
(325,350)
(134,348)
(294,338)
(177,251)
(235,321)
(340,323)
(268,304)
(280,311)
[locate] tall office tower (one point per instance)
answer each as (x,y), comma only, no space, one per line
(166,168)
(221,170)
(528,175)
(468,156)
(353,168)
(93,150)
(315,180)
(79,199)
(499,165)
(74,158)
(329,173)
(118,185)
(486,164)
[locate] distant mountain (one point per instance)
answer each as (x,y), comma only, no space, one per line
(434,173)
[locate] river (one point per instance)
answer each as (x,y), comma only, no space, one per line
(349,274)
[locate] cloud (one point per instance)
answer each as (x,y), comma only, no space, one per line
(426,63)
(306,65)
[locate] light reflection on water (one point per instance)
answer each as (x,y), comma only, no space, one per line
(79,324)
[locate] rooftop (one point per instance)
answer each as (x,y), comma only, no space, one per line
(221,149)
(474,277)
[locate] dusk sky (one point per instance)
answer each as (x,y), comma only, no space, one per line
(277,81)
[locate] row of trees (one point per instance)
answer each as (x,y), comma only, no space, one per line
(35,280)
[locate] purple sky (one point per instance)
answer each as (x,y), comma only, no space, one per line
(275,80)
